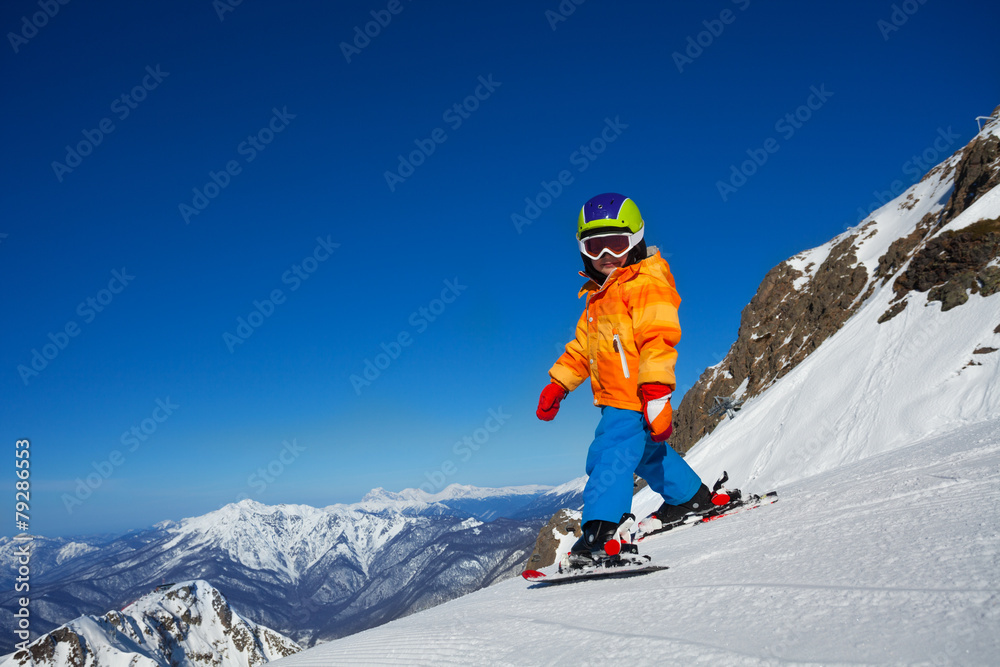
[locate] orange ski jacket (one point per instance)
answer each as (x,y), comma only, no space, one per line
(626,335)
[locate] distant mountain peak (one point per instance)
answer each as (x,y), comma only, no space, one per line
(191,620)
(451,492)
(311,573)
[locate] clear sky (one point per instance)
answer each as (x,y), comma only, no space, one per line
(216,214)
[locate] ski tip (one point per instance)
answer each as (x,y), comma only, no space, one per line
(532,575)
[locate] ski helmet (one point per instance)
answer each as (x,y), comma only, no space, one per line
(608,210)
(610,215)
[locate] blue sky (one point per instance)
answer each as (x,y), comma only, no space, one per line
(175,168)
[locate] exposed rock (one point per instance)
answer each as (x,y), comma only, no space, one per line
(44,650)
(954,264)
(984,350)
(989,279)
(893,311)
(638,484)
(902,249)
(563,523)
(975,174)
(779,328)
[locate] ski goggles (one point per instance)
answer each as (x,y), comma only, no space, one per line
(616,245)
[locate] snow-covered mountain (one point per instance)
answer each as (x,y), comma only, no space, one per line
(515,502)
(870,370)
(188,624)
(917,357)
(311,573)
(935,243)
(48,553)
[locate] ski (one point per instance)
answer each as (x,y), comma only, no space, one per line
(745,504)
(586,574)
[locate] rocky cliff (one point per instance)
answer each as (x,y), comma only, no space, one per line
(807,298)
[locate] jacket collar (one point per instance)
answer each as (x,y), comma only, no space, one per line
(618,275)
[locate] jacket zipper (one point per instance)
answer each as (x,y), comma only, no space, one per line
(621,351)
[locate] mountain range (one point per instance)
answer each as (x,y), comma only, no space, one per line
(190,623)
(310,573)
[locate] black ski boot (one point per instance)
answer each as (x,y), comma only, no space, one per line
(704,504)
(589,549)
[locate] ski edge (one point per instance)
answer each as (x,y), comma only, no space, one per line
(541,579)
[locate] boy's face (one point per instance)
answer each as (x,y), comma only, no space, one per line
(607,263)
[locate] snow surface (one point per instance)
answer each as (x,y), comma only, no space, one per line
(890,560)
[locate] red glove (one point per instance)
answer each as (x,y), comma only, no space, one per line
(548,402)
(657,411)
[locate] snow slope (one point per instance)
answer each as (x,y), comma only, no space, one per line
(870,387)
(891,560)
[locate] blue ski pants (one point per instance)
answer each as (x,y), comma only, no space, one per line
(621,446)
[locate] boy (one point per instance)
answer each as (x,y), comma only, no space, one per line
(625,343)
